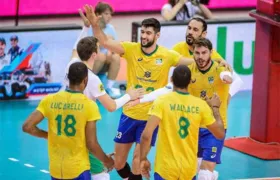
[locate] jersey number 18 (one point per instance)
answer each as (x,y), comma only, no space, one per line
(70,123)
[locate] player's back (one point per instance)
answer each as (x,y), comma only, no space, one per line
(176,153)
(67,113)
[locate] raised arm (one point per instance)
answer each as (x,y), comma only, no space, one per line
(112,105)
(152,95)
(104,41)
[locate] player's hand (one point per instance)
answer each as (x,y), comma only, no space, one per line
(93,19)
(133,103)
(84,18)
(109,163)
(214,101)
(145,167)
(226,65)
(227,79)
(136,93)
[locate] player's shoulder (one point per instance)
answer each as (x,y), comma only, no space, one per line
(130,44)
(181,44)
(197,101)
(94,81)
(72,61)
(166,51)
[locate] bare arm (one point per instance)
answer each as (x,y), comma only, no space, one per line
(217,128)
(92,142)
(104,40)
(112,105)
(205,11)
(169,14)
(185,61)
(30,125)
(146,137)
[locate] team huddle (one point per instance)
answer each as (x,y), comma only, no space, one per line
(184,116)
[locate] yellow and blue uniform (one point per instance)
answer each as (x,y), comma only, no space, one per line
(149,71)
(206,83)
(183,49)
(68,113)
(181,115)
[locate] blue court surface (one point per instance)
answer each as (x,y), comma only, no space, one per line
(25,157)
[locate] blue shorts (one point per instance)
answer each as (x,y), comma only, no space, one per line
(209,148)
(158,177)
(84,176)
(130,130)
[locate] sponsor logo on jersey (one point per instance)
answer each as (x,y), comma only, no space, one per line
(140,59)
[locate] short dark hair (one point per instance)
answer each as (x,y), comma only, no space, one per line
(203,42)
(152,22)
(2,41)
(204,24)
(101,7)
(181,76)
(86,47)
(78,71)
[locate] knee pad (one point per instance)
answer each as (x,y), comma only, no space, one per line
(205,175)
(125,171)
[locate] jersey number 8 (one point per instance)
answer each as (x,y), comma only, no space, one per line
(70,123)
(184,125)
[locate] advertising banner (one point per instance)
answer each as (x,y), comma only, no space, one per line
(47,7)
(234,40)
(32,63)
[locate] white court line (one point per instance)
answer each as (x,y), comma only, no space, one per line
(44,171)
(29,165)
(13,159)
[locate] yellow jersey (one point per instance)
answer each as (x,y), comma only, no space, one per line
(183,49)
(181,115)
(149,71)
(67,113)
(209,82)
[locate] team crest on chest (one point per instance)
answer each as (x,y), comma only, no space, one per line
(211,79)
(159,61)
(147,74)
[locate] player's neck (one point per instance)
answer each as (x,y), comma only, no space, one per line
(150,50)
(191,48)
(75,88)
(181,91)
(89,64)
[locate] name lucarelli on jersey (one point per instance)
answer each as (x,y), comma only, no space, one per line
(67,106)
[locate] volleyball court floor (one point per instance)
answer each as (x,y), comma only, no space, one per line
(25,157)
